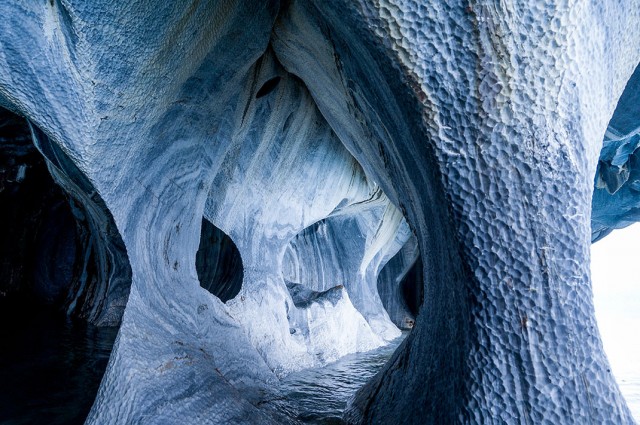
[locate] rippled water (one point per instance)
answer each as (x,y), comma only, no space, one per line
(320,395)
(50,368)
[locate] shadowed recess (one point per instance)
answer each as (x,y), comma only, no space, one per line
(218,263)
(61,275)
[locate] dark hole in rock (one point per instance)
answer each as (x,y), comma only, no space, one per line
(218,263)
(39,242)
(400,285)
(269,86)
(413,288)
(51,363)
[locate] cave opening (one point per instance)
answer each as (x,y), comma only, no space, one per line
(218,263)
(328,276)
(297,239)
(64,282)
(614,236)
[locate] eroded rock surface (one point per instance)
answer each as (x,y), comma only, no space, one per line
(475,127)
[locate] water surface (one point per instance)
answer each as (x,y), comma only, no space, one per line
(321,394)
(50,367)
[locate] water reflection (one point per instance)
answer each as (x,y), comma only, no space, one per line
(50,367)
(321,394)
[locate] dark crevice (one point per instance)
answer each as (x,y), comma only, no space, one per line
(218,263)
(40,242)
(269,86)
(63,270)
(412,288)
(100,285)
(400,285)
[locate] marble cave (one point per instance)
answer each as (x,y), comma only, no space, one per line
(236,191)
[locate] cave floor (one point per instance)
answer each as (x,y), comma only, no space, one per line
(320,395)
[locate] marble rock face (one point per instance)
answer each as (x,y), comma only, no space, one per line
(252,188)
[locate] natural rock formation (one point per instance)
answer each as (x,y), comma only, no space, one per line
(334,131)
(616,198)
(61,246)
(400,285)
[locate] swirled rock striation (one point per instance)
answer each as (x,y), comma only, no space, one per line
(325,140)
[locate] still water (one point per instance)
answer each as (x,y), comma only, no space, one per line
(50,367)
(321,394)
(50,370)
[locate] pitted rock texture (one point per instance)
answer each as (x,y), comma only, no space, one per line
(516,168)
(480,123)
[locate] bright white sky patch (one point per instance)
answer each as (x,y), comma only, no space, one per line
(615,270)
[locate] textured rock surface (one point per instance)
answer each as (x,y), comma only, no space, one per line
(284,170)
(507,328)
(481,122)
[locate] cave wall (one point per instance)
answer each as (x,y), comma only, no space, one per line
(506,277)
(481,123)
(284,170)
(136,121)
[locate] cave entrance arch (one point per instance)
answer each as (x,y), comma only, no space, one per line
(286,175)
(64,280)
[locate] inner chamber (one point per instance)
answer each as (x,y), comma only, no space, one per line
(310,256)
(64,281)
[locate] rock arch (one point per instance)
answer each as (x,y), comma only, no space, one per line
(481,123)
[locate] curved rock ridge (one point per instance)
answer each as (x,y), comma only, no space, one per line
(481,123)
